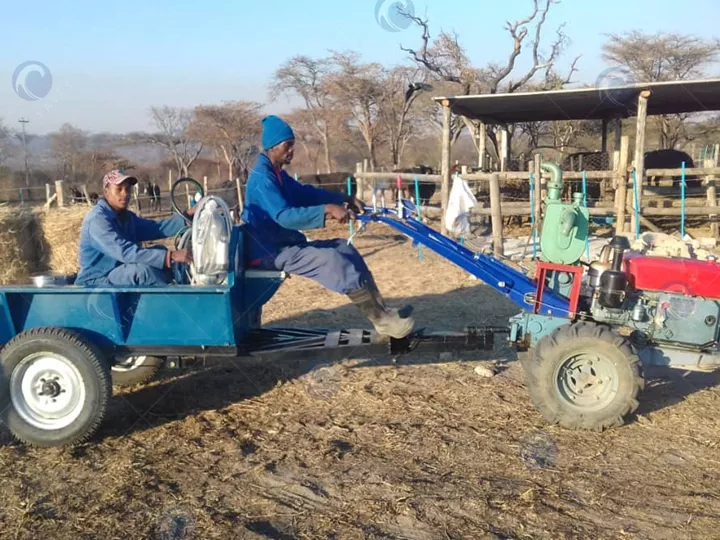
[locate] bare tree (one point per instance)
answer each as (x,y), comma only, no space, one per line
(234,129)
(662,57)
(68,146)
(357,89)
(400,88)
(174,125)
(5,143)
(446,60)
(307,78)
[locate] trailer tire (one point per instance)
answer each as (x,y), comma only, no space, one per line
(584,376)
(140,369)
(54,387)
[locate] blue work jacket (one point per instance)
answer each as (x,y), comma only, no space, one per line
(277,207)
(109,239)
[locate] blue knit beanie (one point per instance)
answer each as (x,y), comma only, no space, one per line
(275,131)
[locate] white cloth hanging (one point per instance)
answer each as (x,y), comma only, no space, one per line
(460,203)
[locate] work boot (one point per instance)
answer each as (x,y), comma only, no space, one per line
(386,321)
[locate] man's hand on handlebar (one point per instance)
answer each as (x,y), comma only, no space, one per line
(356,205)
(339,213)
(180,256)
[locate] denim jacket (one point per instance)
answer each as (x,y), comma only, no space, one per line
(109,239)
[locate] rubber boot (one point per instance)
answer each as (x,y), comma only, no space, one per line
(387,322)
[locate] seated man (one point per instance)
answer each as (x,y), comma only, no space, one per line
(110,254)
(277,207)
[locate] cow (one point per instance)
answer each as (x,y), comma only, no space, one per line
(671,159)
(156,200)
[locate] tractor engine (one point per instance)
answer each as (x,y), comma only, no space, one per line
(674,302)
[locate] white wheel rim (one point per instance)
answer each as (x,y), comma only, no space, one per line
(47,391)
(129,364)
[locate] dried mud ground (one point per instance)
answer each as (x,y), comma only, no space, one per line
(362,448)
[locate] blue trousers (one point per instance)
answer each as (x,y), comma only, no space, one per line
(128,275)
(332,263)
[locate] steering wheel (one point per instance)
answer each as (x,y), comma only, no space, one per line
(199,193)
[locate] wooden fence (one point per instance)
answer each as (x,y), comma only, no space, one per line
(619,199)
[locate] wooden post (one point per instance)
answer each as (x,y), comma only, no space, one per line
(463,170)
(496,214)
(482,142)
(169,181)
(621,193)
(712,194)
(47,192)
(445,172)
(504,148)
(239,194)
(59,192)
(86,194)
(205,189)
(603,140)
(537,162)
(359,181)
(640,152)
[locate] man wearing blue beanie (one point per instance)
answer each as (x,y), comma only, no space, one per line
(277,208)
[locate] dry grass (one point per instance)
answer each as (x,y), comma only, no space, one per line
(361,448)
(19,247)
(61,238)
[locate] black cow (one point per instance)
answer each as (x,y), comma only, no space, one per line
(671,159)
(334,182)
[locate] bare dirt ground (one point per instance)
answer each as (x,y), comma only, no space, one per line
(362,448)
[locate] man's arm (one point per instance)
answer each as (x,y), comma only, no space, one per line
(310,195)
(295,218)
(114,245)
(148,229)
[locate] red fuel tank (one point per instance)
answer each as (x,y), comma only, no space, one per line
(687,276)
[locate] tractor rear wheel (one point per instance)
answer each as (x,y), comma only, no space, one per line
(584,376)
(54,387)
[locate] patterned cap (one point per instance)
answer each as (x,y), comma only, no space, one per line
(116,177)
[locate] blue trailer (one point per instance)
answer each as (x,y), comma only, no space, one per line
(64,346)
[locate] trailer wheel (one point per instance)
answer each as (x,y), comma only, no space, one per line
(135,370)
(584,376)
(54,387)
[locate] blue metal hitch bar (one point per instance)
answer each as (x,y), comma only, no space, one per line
(504,279)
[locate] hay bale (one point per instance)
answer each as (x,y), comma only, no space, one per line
(60,229)
(19,246)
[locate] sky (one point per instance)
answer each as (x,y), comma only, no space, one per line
(111,61)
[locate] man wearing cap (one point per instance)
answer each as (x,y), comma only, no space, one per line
(277,208)
(110,252)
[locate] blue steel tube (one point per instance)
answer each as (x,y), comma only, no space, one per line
(682,201)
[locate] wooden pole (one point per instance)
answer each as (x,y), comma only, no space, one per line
(504,148)
(496,214)
(169,181)
(359,181)
(537,162)
(445,188)
(621,193)
(59,193)
(712,194)
(603,140)
(640,151)
(482,145)
(205,189)
(47,192)
(85,193)
(239,194)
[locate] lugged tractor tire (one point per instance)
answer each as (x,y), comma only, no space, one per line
(584,376)
(54,387)
(136,370)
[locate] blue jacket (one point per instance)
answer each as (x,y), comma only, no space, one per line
(109,239)
(277,209)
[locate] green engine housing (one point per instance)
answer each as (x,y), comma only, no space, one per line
(565,226)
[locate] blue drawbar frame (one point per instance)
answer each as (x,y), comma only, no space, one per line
(510,282)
